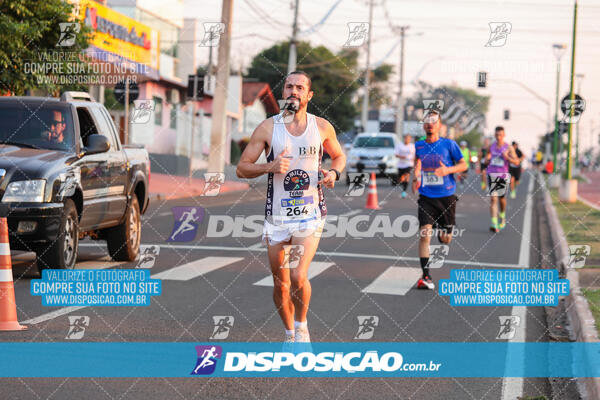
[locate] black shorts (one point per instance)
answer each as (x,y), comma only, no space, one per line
(482,165)
(402,171)
(440,212)
(516,172)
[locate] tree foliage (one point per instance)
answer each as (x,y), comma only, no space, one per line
(335,78)
(29,29)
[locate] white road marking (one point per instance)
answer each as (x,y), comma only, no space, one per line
(512,388)
(52,315)
(338,254)
(195,268)
(315,268)
(350,213)
(183,272)
(394,280)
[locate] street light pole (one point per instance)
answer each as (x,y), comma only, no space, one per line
(400,107)
(558,52)
(365,105)
(572,92)
(580,76)
(292,57)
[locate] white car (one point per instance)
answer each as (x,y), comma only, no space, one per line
(373,152)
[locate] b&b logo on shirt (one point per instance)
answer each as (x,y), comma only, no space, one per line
(307,152)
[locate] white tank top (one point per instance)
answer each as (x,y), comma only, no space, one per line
(295,197)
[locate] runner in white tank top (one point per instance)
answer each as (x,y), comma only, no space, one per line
(295,199)
(294,142)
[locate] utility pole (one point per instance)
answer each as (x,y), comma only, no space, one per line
(365,105)
(210,62)
(218,133)
(558,52)
(292,57)
(400,106)
(572,96)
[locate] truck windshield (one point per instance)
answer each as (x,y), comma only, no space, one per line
(370,141)
(36,125)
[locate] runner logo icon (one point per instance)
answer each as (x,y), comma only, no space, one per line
(358,183)
(498,183)
(77,325)
(207,359)
(366,326)
(499,32)
(577,255)
(437,255)
(508,326)
(223,324)
(358,32)
(187,220)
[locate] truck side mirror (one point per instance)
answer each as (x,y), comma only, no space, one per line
(97,144)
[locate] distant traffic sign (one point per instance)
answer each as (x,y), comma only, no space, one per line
(134,92)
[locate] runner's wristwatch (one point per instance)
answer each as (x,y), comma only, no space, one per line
(337,173)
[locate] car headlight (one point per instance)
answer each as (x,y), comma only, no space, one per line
(353,158)
(30,191)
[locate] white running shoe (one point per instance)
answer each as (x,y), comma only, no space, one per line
(302,335)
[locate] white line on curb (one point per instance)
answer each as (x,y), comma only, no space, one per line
(512,388)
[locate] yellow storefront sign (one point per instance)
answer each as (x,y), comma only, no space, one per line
(119,35)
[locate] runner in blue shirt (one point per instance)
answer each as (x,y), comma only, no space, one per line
(436,161)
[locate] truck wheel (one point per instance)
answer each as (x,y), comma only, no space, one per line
(62,253)
(124,240)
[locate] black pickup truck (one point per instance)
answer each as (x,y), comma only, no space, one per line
(64,175)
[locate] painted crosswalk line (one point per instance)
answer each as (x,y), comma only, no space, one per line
(395,281)
(196,268)
(316,267)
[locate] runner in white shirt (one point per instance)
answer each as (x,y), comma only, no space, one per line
(405,152)
(294,142)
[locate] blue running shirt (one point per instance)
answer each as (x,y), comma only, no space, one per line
(430,154)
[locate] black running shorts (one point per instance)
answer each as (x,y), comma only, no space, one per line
(516,172)
(440,212)
(402,171)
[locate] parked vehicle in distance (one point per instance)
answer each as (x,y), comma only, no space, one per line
(373,152)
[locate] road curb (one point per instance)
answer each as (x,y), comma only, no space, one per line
(581,321)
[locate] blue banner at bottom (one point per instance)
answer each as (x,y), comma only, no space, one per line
(223,359)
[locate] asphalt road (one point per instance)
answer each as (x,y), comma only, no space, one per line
(350,275)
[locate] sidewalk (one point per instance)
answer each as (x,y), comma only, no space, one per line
(168,187)
(589,191)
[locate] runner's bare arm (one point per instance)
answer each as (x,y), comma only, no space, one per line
(333,148)
(259,141)
(511,156)
(417,178)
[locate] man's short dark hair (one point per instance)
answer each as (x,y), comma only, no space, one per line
(303,74)
(499,128)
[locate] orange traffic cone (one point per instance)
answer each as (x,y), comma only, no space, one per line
(8,306)
(372,202)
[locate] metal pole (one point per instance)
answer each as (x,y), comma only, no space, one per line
(210,63)
(555,144)
(577,142)
(400,111)
(218,133)
(365,105)
(127,138)
(570,145)
(193,133)
(292,57)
